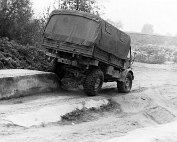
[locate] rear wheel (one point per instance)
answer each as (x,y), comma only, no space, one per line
(93,82)
(125,87)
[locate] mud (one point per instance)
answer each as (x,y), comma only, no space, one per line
(150,107)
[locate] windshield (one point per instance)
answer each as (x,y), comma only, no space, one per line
(74,28)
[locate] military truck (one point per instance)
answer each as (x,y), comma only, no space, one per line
(86,50)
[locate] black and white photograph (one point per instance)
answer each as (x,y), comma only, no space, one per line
(88,70)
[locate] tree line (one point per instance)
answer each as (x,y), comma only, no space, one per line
(17,21)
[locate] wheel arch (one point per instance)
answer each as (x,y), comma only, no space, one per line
(124,74)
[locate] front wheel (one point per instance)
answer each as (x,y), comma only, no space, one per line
(125,87)
(93,82)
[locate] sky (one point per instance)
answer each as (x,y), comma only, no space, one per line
(133,14)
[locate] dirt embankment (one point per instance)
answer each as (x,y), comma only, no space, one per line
(16,56)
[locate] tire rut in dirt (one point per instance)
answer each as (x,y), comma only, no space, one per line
(160,115)
(85,115)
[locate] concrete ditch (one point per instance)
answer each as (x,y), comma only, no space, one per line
(20,82)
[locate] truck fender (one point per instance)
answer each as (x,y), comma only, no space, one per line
(124,74)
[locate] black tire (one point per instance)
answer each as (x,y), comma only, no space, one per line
(93,82)
(125,87)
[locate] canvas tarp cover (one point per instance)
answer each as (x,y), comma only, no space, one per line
(114,41)
(85,29)
(72,29)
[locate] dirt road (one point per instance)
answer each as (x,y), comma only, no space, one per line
(152,101)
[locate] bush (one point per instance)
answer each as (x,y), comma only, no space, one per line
(152,54)
(16,56)
(18,23)
(157,59)
(175,57)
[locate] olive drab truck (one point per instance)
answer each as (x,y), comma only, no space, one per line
(86,50)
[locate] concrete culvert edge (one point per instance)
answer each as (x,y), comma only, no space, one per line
(18,82)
